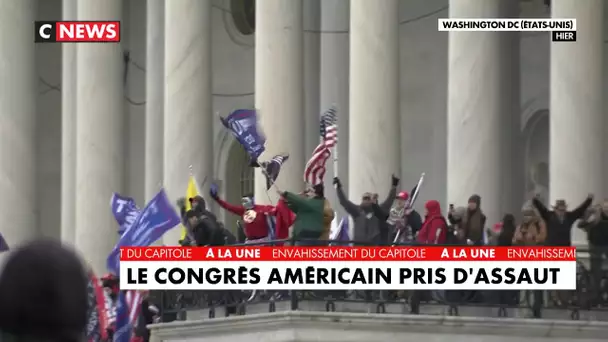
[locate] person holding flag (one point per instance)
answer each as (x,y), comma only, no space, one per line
(200,226)
(314,214)
(153,221)
(402,220)
(260,222)
(192,201)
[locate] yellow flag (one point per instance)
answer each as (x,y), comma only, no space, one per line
(191,191)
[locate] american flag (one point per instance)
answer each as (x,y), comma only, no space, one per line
(315,168)
(127,314)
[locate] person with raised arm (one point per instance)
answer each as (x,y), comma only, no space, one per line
(257,218)
(313,214)
(559,220)
(368,227)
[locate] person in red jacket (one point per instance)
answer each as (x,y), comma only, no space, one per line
(258,219)
(434,229)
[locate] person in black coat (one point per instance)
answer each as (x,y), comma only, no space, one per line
(559,220)
(229,238)
(595,223)
(505,239)
(202,225)
(205,230)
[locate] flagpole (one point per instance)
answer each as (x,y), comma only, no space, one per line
(334,151)
(272,184)
(415,194)
(188,232)
(411,204)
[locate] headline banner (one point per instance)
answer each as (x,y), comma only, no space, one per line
(342,268)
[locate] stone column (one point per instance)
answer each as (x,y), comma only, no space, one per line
(17,121)
(577,117)
(279,90)
(155,50)
(334,83)
(482,99)
(100,151)
(374,97)
(188,124)
(68,130)
(312,59)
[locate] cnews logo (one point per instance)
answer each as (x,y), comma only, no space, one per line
(77,31)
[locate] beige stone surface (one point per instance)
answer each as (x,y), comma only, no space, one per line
(279,90)
(374,133)
(100,148)
(482,97)
(188,117)
(576,126)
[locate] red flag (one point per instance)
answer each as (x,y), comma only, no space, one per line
(284,219)
(102,313)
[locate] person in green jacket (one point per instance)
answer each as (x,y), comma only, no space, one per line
(310,209)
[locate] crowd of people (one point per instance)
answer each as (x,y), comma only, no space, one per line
(395,221)
(45,276)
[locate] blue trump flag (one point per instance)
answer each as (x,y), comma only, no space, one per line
(153,221)
(125,211)
(343,234)
(124,329)
(243,123)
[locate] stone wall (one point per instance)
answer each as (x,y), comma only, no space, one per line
(300,326)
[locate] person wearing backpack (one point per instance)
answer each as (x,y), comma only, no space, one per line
(532,232)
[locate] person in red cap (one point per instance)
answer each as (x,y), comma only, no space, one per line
(403,220)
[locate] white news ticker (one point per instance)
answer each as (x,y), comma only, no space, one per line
(514,25)
(565,277)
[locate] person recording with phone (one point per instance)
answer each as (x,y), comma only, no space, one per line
(472,222)
(456,233)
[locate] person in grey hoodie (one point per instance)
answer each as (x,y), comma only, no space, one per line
(367,226)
